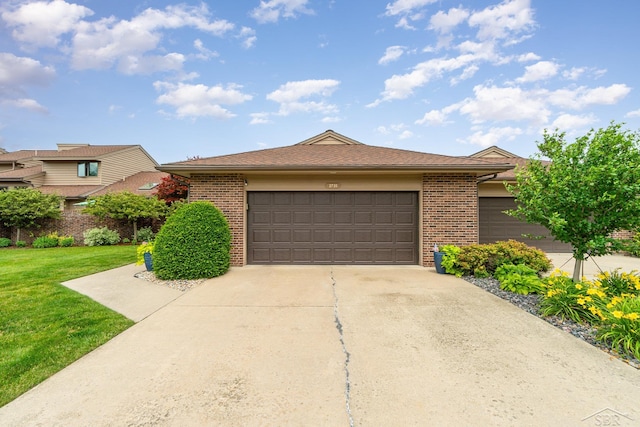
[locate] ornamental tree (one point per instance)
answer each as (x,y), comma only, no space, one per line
(125,205)
(588,190)
(172,188)
(24,207)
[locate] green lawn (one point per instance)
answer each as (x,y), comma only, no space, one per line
(43,325)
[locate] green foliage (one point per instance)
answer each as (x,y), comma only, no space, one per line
(580,302)
(634,248)
(126,206)
(5,242)
(66,241)
(450,259)
(144,248)
(48,241)
(24,207)
(621,326)
(482,260)
(21,244)
(193,243)
(520,279)
(146,234)
(101,236)
(587,191)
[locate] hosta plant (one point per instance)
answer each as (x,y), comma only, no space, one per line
(520,279)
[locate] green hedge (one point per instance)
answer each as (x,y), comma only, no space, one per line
(193,243)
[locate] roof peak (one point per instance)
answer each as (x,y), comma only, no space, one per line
(329,137)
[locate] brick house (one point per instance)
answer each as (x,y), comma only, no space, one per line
(333,200)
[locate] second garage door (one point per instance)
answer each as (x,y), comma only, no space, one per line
(495,225)
(324,227)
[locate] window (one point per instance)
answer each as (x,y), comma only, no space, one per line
(87,168)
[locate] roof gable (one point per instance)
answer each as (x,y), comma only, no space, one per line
(329,137)
(494,151)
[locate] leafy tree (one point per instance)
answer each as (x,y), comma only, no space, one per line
(24,207)
(588,190)
(172,188)
(126,205)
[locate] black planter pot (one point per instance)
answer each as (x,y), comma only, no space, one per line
(437,259)
(148,261)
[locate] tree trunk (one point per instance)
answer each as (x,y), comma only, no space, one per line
(577,270)
(135,231)
(18,234)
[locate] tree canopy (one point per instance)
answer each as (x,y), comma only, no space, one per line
(172,188)
(585,192)
(126,205)
(24,207)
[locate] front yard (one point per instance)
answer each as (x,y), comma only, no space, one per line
(43,325)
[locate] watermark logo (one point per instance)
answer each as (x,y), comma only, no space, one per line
(607,417)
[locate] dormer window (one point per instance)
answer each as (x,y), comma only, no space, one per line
(87,169)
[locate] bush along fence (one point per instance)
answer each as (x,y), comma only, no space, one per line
(74,224)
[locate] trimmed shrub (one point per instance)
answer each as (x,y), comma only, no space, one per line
(66,241)
(48,241)
(101,236)
(193,243)
(146,234)
(484,259)
(519,279)
(21,244)
(5,242)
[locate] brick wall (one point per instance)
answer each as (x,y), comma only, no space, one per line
(227,193)
(450,212)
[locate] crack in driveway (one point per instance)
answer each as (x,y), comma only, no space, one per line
(344,350)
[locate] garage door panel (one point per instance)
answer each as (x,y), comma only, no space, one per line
(495,225)
(332,227)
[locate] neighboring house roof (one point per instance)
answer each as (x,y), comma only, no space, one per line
(85,152)
(136,184)
(16,156)
(498,155)
(70,191)
(332,151)
(21,174)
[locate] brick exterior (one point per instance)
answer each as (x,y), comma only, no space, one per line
(227,193)
(450,212)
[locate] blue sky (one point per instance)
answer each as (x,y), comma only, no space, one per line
(190,78)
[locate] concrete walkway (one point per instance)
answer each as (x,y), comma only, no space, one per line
(336,346)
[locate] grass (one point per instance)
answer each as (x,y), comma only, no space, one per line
(45,326)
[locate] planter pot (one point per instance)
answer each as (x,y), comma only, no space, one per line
(148,262)
(437,259)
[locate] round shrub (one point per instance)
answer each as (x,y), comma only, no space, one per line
(101,236)
(193,243)
(5,242)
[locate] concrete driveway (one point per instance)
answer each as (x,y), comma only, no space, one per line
(336,346)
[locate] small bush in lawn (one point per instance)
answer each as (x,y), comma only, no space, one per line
(48,241)
(581,302)
(66,241)
(21,244)
(101,236)
(621,326)
(193,243)
(146,234)
(4,242)
(520,279)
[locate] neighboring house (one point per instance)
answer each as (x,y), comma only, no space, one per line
(333,200)
(494,200)
(77,171)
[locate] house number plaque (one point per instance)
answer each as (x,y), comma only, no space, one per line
(333,185)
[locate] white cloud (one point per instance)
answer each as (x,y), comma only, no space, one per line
(331,119)
(503,21)
(528,57)
(574,73)
(494,136)
(566,122)
(41,23)
(204,53)
(467,73)
(634,113)
(248,36)
(444,22)
(17,74)
(259,118)
(405,7)
(433,118)
(405,134)
(392,53)
(103,43)
(273,10)
(539,71)
(582,97)
(198,100)
(290,96)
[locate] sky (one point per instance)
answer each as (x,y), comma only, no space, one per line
(207,78)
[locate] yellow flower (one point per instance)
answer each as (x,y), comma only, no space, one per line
(632,316)
(581,301)
(578,286)
(588,299)
(618,314)
(592,291)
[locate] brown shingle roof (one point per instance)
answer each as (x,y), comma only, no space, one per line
(336,157)
(86,152)
(133,183)
(15,156)
(21,173)
(70,191)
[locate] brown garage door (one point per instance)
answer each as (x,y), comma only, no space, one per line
(323,227)
(496,225)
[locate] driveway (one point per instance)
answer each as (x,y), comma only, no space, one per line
(336,346)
